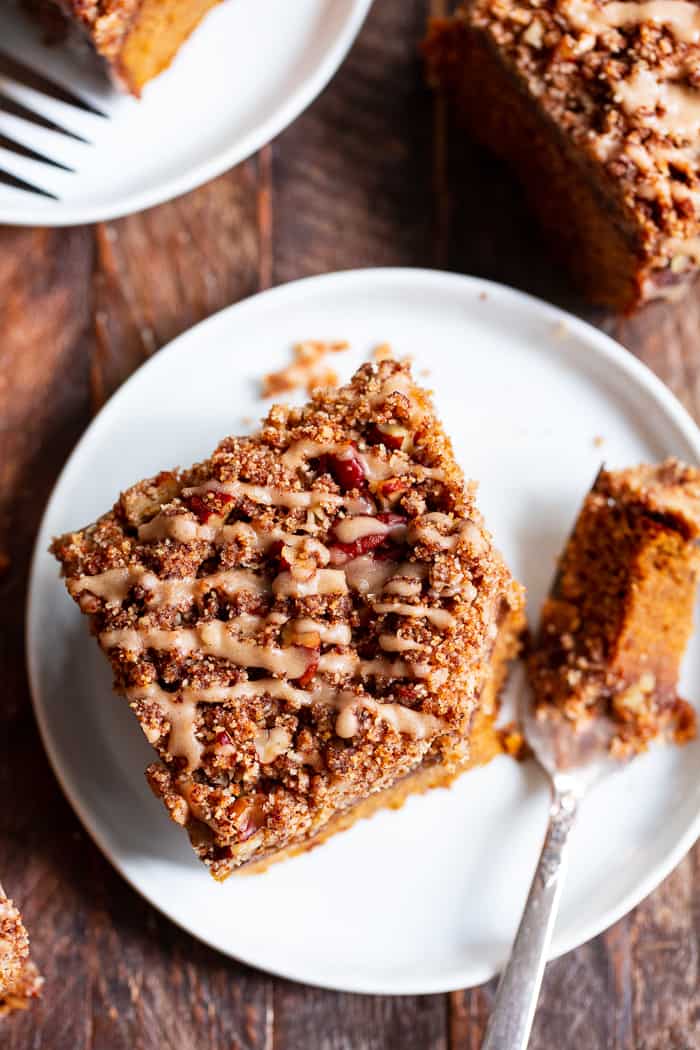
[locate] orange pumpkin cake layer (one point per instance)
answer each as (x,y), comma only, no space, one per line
(137,39)
(614,630)
(304,620)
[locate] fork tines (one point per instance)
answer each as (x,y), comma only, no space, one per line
(7,179)
(14,72)
(13,69)
(17,109)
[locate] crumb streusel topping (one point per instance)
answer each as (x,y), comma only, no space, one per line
(106,21)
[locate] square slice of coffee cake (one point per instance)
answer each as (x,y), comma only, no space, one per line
(305,624)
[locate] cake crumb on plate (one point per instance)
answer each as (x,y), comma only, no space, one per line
(305,369)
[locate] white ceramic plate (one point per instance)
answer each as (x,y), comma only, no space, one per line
(427,898)
(243,76)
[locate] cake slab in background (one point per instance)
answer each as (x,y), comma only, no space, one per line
(243,76)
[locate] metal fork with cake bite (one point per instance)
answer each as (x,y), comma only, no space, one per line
(604,672)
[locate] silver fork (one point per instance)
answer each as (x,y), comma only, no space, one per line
(14,71)
(574,764)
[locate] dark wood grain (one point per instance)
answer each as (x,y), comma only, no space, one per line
(159,272)
(308,1017)
(352,177)
(372,174)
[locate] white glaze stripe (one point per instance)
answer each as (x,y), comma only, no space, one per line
(681,17)
(440,617)
(323,581)
(115,584)
(679,105)
(212,639)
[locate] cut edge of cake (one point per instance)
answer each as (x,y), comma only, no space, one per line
(616,624)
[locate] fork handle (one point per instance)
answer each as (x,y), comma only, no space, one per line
(518,990)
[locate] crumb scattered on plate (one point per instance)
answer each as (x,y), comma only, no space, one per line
(598,441)
(382,352)
(307,369)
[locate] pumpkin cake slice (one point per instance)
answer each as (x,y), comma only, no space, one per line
(306,623)
(615,627)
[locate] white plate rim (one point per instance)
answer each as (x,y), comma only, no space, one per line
(612,353)
(204,171)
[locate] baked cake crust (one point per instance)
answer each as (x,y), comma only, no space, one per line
(615,627)
(303,620)
(596,105)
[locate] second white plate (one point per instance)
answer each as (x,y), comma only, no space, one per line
(427,898)
(243,76)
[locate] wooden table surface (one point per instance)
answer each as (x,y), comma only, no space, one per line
(371,174)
